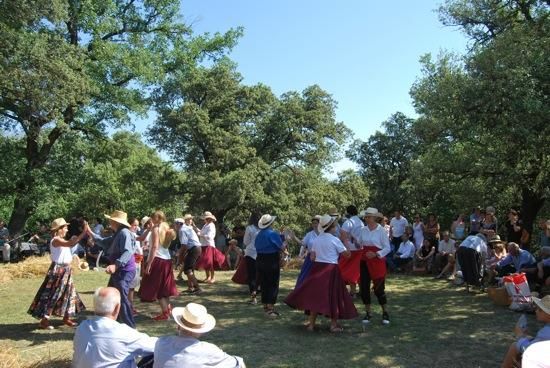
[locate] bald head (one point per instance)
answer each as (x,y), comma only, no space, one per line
(107,302)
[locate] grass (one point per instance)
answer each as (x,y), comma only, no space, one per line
(433,324)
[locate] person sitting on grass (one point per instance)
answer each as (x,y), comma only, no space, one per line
(233,254)
(185,349)
(517,260)
(424,257)
(104,342)
(524,341)
(405,253)
(445,257)
(497,253)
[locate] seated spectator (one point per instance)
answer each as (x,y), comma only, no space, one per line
(103,342)
(517,260)
(496,254)
(424,257)
(543,267)
(233,254)
(405,253)
(537,355)
(445,256)
(517,348)
(544,233)
(185,349)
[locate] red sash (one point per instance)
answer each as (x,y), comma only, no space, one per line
(377,266)
(349,267)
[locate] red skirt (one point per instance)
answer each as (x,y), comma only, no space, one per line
(211,258)
(377,266)
(241,274)
(349,267)
(160,283)
(323,291)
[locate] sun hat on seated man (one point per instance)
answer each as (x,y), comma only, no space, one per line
(194,318)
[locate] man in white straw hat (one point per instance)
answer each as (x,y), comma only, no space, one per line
(524,341)
(185,349)
(120,249)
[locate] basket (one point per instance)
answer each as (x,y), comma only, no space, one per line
(499,296)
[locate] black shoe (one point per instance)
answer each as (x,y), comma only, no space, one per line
(367,317)
(385,318)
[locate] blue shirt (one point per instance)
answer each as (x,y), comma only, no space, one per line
(523,260)
(542,335)
(268,241)
(120,248)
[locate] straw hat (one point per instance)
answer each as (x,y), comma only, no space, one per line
(334,212)
(188,217)
(194,318)
(144,220)
(371,211)
(543,303)
(496,239)
(58,223)
(316,218)
(119,216)
(209,215)
(266,221)
(325,222)
(83,266)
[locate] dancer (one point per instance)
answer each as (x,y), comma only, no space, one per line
(348,235)
(122,267)
(376,246)
(138,256)
(246,272)
(57,295)
(158,282)
(191,248)
(268,246)
(307,242)
(211,257)
(323,291)
(471,255)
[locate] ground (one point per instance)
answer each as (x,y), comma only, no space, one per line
(434,324)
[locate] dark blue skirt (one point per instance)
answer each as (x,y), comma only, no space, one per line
(304,271)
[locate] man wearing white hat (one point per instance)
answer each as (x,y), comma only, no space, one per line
(185,349)
(122,268)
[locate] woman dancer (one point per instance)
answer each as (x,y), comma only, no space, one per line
(211,257)
(57,295)
(323,291)
(307,242)
(376,246)
(158,282)
(246,272)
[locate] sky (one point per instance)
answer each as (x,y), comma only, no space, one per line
(365,53)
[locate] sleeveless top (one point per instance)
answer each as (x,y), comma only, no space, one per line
(60,255)
(163,251)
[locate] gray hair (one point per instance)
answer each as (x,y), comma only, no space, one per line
(105,301)
(545,251)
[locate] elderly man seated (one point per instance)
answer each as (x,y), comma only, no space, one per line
(518,260)
(103,342)
(445,256)
(185,349)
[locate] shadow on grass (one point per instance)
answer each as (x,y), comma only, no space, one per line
(32,332)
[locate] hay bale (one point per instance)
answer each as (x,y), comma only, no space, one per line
(9,358)
(30,268)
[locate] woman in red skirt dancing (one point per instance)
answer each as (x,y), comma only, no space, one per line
(323,291)
(211,257)
(158,282)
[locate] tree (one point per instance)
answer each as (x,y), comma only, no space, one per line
(70,66)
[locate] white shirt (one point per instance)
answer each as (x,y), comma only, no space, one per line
(406,249)
(60,254)
(537,355)
(188,237)
(447,246)
(208,234)
(188,352)
(309,238)
(327,248)
(377,238)
(398,226)
(249,239)
(476,243)
(352,227)
(101,342)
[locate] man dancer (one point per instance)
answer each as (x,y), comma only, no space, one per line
(190,251)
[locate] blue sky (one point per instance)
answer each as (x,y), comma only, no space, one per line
(363,52)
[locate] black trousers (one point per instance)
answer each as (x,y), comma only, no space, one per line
(470,264)
(251,270)
(379,286)
(267,266)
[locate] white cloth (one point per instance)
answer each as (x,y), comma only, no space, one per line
(352,227)
(249,238)
(398,226)
(537,356)
(188,237)
(188,352)
(101,342)
(418,234)
(327,248)
(207,234)
(376,237)
(476,243)
(60,254)
(446,246)
(406,249)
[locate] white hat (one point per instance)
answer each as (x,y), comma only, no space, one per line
(187,216)
(144,220)
(543,303)
(316,218)
(179,220)
(266,221)
(325,222)
(371,211)
(119,216)
(194,318)
(209,215)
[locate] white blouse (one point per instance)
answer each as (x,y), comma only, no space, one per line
(61,255)
(208,234)
(327,248)
(249,239)
(377,238)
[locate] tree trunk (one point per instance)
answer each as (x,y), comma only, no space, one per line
(531,203)
(22,206)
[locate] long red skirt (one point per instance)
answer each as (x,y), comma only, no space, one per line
(349,267)
(160,283)
(324,292)
(211,258)
(241,274)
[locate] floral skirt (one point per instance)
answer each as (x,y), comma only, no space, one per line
(57,296)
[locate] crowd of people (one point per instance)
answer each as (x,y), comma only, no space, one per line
(342,257)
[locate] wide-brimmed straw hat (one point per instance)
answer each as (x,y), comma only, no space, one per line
(83,266)
(209,215)
(266,221)
(194,318)
(334,212)
(543,303)
(187,216)
(144,220)
(119,216)
(58,223)
(496,239)
(372,212)
(325,222)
